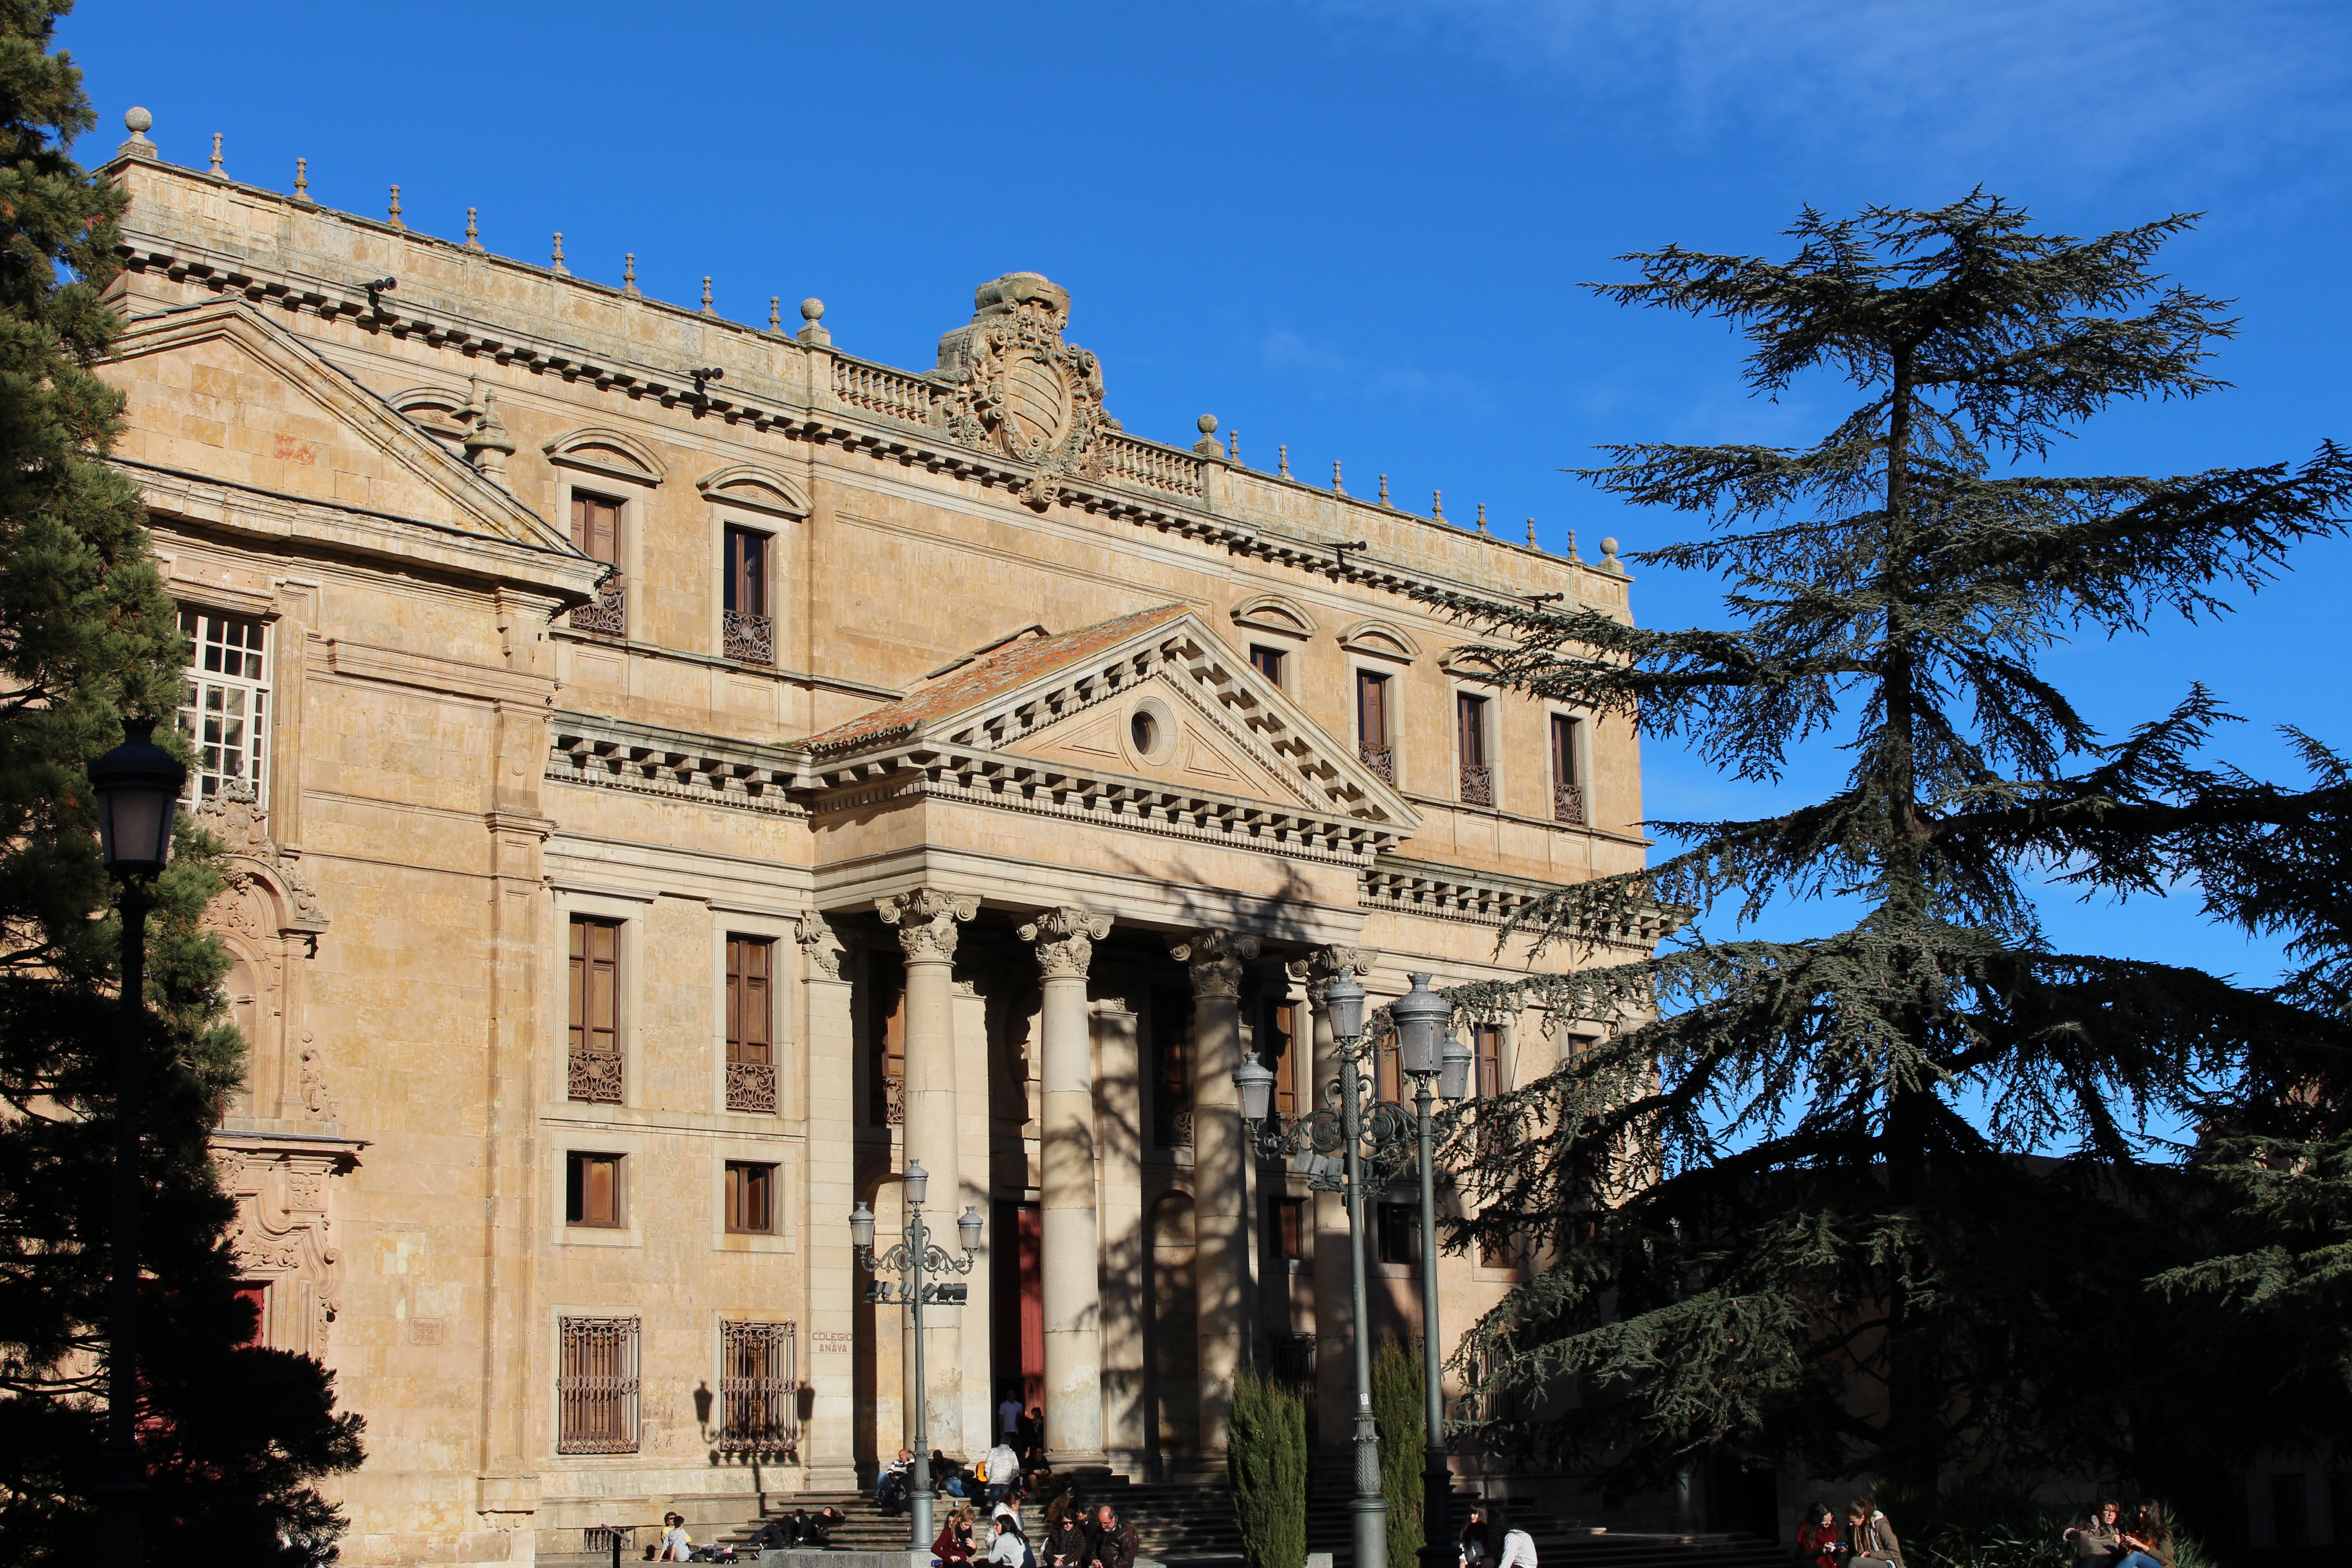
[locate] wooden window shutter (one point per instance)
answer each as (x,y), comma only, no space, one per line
(596,526)
(1471,712)
(1371,708)
(750,1007)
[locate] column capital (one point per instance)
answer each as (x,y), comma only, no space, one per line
(1066,937)
(1215,959)
(1323,965)
(822,945)
(927,919)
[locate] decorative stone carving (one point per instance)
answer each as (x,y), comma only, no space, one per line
(822,946)
(1215,959)
(316,1104)
(284,1233)
(1325,965)
(235,816)
(926,920)
(1066,938)
(1012,383)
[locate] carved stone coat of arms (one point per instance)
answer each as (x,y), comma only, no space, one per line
(1011,383)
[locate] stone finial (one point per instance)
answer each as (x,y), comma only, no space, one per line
(216,170)
(706,297)
(1482,517)
(394,218)
(1234,447)
(302,181)
(137,121)
(1282,461)
(556,265)
(1208,445)
(473,229)
(629,274)
(1531,535)
(488,445)
(776,313)
(1437,505)
(1384,490)
(1609,562)
(1338,486)
(1572,556)
(814,333)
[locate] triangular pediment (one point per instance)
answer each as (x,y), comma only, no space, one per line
(233,396)
(1156,698)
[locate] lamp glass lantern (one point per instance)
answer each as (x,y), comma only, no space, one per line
(1345,999)
(1453,1069)
(861,1226)
(970,1227)
(1255,1081)
(1421,1017)
(915,1184)
(138,786)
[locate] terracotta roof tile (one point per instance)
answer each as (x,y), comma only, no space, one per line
(986,678)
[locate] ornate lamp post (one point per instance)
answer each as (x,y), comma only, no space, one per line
(1421,1017)
(911,1259)
(138,787)
(1358,1130)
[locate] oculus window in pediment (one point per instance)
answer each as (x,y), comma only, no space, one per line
(1153,731)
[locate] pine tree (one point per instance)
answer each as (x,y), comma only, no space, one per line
(1265,1463)
(1783,1211)
(233,1438)
(1401,1418)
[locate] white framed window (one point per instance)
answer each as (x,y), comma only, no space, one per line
(225,700)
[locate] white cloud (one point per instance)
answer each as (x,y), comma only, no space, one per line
(2103,84)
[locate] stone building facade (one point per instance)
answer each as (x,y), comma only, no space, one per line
(677,772)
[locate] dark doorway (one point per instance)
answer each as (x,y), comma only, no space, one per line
(1017,1315)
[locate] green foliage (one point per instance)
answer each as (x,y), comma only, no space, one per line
(1995,1522)
(1266,1462)
(87,635)
(1782,1211)
(1401,1420)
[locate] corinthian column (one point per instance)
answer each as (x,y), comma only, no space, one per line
(926,920)
(1069,1279)
(1335,1392)
(1220,1218)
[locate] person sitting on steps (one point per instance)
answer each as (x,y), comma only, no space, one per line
(1869,1539)
(1114,1542)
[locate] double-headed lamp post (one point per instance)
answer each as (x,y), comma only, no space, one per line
(1358,1129)
(911,1259)
(1422,1018)
(138,787)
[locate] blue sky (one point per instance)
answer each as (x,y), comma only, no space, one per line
(1356,227)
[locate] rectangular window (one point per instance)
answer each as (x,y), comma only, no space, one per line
(1267,661)
(1486,1049)
(1287,1226)
(1283,1057)
(591,1190)
(751,1024)
(225,701)
(1470,743)
(1567,786)
(1372,724)
(750,1198)
(750,632)
(596,530)
(759,1386)
(1171,1066)
(1397,1228)
(1388,1068)
(596,1386)
(596,1038)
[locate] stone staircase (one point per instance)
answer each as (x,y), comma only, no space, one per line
(1192,1523)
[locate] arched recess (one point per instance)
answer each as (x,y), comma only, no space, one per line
(1276,614)
(615,454)
(434,409)
(1381,639)
(759,489)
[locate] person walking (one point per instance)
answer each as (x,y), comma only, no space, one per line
(1003,1471)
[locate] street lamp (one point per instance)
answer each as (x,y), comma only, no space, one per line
(1421,1020)
(910,1260)
(1356,1131)
(138,787)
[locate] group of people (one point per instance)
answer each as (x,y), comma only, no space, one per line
(1866,1540)
(1489,1540)
(2105,1541)
(1076,1536)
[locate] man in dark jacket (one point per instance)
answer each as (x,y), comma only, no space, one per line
(1114,1542)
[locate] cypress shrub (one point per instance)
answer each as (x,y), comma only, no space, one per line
(1265,1461)
(1398,1417)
